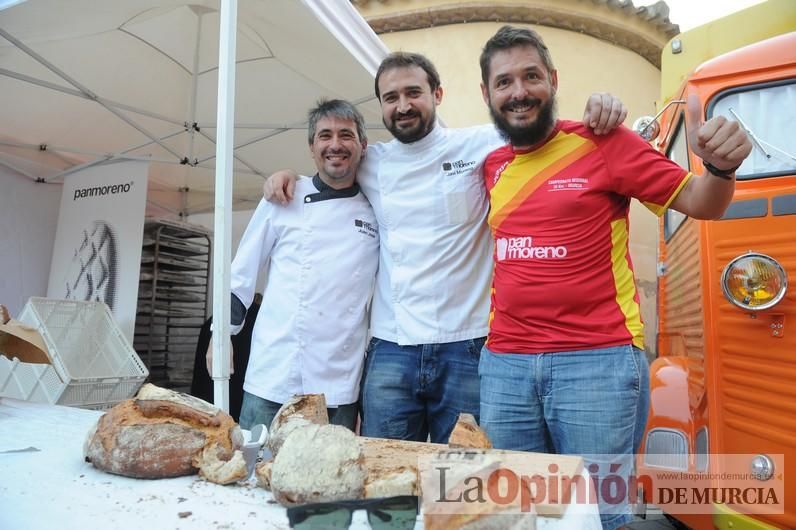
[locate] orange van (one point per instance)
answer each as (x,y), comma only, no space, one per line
(724,381)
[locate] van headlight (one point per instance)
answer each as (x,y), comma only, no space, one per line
(754,282)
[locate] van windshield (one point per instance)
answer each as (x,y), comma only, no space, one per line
(768,113)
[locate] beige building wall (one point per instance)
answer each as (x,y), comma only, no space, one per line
(585,64)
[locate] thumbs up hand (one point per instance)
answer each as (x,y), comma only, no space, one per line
(719,142)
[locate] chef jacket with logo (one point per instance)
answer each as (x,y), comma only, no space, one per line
(321,254)
(435,261)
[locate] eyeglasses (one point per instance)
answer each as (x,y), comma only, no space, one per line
(389,513)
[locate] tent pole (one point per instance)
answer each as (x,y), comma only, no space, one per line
(77,93)
(19,170)
(235,156)
(222,253)
(194,83)
(85,90)
(76,151)
(104,157)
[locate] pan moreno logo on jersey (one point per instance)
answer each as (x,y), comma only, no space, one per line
(523,248)
(99,191)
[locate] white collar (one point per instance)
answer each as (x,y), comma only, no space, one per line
(436,134)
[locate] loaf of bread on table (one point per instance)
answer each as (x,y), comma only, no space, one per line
(317,463)
(161,433)
(467,433)
(298,411)
(262,472)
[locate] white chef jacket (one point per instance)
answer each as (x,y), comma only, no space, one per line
(435,260)
(321,251)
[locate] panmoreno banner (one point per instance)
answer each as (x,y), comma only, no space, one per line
(97,252)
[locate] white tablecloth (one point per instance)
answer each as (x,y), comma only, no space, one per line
(45,484)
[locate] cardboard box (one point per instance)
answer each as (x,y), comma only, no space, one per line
(23,342)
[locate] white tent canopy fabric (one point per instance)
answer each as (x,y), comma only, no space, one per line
(87,81)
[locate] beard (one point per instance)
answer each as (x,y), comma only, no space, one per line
(414,133)
(531,134)
(335,172)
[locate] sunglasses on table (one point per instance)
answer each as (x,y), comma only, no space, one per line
(389,513)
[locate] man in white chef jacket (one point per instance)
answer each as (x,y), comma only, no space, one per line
(321,253)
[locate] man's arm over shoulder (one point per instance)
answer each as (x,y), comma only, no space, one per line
(280,187)
(604,112)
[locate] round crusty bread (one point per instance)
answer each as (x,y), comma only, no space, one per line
(298,411)
(335,457)
(161,433)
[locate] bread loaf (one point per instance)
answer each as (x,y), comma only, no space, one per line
(161,433)
(467,433)
(400,482)
(486,514)
(213,469)
(318,463)
(486,521)
(262,472)
(298,411)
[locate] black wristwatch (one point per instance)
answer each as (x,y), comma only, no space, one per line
(725,174)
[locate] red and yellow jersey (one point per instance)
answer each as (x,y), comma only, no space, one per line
(563,277)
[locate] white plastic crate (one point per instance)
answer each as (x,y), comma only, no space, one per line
(93,364)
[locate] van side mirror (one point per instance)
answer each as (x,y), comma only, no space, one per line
(648,127)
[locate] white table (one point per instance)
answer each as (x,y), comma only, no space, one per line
(45,484)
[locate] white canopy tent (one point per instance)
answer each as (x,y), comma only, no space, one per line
(86,82)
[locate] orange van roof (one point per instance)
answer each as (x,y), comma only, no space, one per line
(773,52)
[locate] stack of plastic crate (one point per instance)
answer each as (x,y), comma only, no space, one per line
(93,365)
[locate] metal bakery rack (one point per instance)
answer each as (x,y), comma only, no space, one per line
(172,300)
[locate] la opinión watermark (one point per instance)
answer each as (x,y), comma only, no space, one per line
(465,481)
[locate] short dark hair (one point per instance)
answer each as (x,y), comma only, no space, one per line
(405,60)
(509,37)
(335,108)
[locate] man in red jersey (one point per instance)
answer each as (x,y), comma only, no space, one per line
(563,369)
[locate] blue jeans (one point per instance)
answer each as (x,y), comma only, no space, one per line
(587,402)
(255,409)
(411,392)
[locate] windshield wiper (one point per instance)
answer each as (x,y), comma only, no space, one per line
(757,141)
